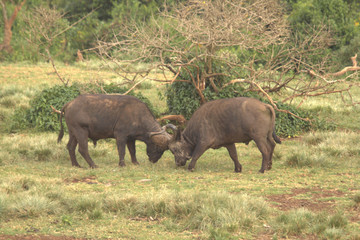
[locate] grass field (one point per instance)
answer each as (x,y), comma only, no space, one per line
(312,191)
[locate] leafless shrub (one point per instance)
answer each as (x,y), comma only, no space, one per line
(44,28)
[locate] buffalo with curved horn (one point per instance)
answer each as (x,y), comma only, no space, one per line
(125,118)
(222,123)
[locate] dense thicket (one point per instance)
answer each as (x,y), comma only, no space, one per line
(342,16)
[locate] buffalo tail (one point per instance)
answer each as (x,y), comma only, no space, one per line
(276,138)
(61,133)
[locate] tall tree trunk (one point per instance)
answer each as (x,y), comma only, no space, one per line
(8,22)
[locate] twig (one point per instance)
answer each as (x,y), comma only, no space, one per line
(65,82)
(55,110)
(354,67)
(134,86)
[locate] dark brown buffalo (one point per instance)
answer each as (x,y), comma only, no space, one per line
(222,123)
(122,117)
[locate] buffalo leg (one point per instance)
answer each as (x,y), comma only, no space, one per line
(265,152)
(198,151)
(82,139)
(121,150)
(271,146)
(132,150)
(71,146)
(233,154)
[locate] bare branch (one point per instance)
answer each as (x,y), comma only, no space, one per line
(178,118)
(194,42)
(64,81)
(353,68)
(55,110)
(134,86)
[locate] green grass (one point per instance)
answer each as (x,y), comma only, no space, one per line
(40,193)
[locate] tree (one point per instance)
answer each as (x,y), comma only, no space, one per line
(46,28)
(196,34)
(222,42)
(339,16)
(8,23)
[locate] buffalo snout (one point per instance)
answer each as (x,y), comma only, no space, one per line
(180,164)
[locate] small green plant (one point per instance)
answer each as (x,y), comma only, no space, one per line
(3,207)
(338,221)
(356,199)
(43,154)
(301,159)
(313,140)
(303,221)
(66,220)
(33,206)
(87,204)
(26,183)
(8,102)
(95,214)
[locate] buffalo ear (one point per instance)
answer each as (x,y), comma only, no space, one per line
(177,135)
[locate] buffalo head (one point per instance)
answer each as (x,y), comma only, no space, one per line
(180,148)
(159,143)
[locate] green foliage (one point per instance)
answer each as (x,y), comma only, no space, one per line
(40,115)
(342,16)
(66,220)
(336,14)
(181,98)
(129,10)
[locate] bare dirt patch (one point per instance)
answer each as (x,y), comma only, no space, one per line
(88,180)
(316,202)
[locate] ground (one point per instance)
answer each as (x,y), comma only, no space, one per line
(314,199)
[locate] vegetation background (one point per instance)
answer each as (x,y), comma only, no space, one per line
(343,17)
(312,192)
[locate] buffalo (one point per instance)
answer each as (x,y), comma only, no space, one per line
(222,123)
(125,118)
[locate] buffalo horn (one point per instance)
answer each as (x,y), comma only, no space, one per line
(162,138)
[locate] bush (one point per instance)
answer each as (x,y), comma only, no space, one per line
(41,117)
(182,99)
(40,114)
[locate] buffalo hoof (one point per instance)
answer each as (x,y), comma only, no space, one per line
(261,171)
(238,170)
(190,169)
(136,163)
(94,166)
(122,164)
(269,167)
